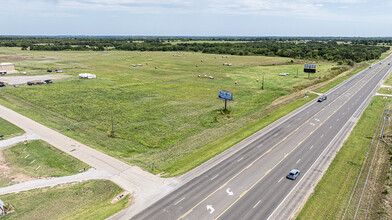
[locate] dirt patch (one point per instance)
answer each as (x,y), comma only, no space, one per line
(24,79)
(119,197)
(6,172)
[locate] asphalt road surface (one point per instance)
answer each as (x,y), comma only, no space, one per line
(251,184)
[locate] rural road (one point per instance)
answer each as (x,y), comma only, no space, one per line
(250,183)
(91,174)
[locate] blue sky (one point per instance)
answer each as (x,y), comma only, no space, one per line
(366,18)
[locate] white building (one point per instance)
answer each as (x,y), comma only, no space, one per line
(7,67)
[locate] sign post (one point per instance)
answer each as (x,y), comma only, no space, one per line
(226,95)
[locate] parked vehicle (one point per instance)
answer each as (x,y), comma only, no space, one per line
(49,71)
(48,81)
(30,83)
(2,84)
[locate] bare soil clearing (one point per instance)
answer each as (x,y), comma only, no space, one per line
(12,80)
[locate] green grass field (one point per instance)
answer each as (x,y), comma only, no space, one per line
(160,115)
(9,130)
(53,162)
(332,193)
(87,200)
(385,91)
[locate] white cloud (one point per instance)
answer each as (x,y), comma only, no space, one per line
(307,9)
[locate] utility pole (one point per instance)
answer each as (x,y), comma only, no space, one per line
(262,84)
(112,125)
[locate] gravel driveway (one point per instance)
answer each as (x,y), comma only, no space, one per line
(24,79)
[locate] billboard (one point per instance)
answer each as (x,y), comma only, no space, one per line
(310,68)
(225,95)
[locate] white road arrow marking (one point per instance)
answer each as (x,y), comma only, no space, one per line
(229,192)
(209,207)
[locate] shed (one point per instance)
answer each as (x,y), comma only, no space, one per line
(87,76)
(8,67)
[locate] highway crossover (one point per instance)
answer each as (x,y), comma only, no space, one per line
(251,183)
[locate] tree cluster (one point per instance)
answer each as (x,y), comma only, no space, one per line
(343,50)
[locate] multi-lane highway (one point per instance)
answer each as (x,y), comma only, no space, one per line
(251,183)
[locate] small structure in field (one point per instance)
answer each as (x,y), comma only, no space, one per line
(197,65)
(87,76)
(205,76)
(198,76)
(236,82)
(7,67)
(156,67)
(211,77)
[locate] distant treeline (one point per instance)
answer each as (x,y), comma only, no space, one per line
(345,50)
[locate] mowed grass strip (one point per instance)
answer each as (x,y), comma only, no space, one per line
(332,193)
(387,91)
(53,162)
(9,130)
(86,200)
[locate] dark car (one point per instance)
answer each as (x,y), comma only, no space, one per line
(49,71)
(48,81)
(293,174)
(322,98)
(2,84)
(30,83)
